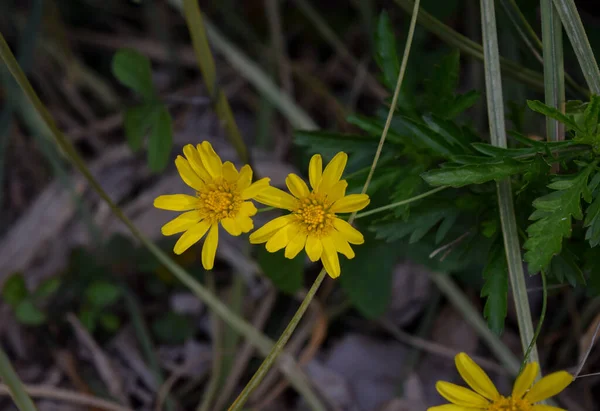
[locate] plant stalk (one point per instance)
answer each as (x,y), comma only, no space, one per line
(14,384)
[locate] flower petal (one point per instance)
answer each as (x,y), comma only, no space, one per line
(473,375)
(211,161)
(256,188)
(193,156)
(350,203)
(549,386)
(314,248)
(244,222)
(540,407)
(209,250)
(282,238)
(351,234)
(525,380)
(333,172)
(229,172)
(341,245)
(248,209)
(275,197)
(182,223)
(337,191)
(451,407)
(297,186)
(191,237)
(263,234)
(231,226)
(295,245)
(188,175)
(315,171)
(460,395)
(330,258)
(176,202)
(245,177)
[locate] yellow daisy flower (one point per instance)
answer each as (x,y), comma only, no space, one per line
(312,224)
(485,397)
(221,194)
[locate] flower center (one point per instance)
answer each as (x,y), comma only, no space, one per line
(510,404)
(219,200)
(314,216)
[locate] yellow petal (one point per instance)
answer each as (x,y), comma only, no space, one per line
(540,407)
(195,161)
(188,175)
(297,186)
(181,223)
(282,238)
(460,395)
(256,188)
(211,161)
(330,258)
(176,202)
(231,226)
(248,209)
(333,172)
(351,234)
(263,234)
(450,407)
(245,223)
(245,177)
(209,250)
(350,203)
(337,191)
(525,380)
(191,237)
(275,197)
(549,386)
(295,245)
(341,245)
(473,375)
(229,172)
(314,248)
(315,171)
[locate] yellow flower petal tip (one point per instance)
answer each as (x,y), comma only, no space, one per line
(222,196)
(484,396)
(312,224)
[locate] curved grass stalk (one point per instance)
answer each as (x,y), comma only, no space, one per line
(14,384)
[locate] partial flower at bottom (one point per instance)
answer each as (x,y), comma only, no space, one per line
(312,224)
(483,395)
(221,197)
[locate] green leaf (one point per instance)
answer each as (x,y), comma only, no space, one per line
(387,51)
(462,102)
(495,289)
(137,122)
(101,294)
(552,112)
(592,222)
(429,138)
(46,288)
(552,216)
(133,70)
(367,278)
(161,140)
(14,290)
(565,266)
(287,275)
(439,89)
(459,176)
(591,115)
(110,322)
(28,314)
(172,328)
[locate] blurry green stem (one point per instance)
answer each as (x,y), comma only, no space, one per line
(14,384)
(538,329)
(399,203)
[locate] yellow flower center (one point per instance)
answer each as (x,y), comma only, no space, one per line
(219,200)
(314,215)
(510,404)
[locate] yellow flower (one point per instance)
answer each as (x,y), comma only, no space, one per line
(485,397)
(313,224)
(221,194)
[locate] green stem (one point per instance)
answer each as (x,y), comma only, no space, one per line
(400,203)
(14,384)
(538,329)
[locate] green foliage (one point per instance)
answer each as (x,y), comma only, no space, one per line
(485,169)
(101,294)
(387,51)
(133,70)
(495,289)
(287,275)
(172,328)
(28,306)
(28,314)
(14,290)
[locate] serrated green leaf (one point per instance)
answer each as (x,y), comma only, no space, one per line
(565,266)
(367,278)
(387,51)
(137,123)
(161,140)
(495,289)
(428,138)
(421,221)
(463,175)
(591,115)
(14,290)
(592,222)
(552,216)
(27,313)
(287,275)
(451,132)
(552,112)
(133,70)
(462,102)
(495,151)
(101,294)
